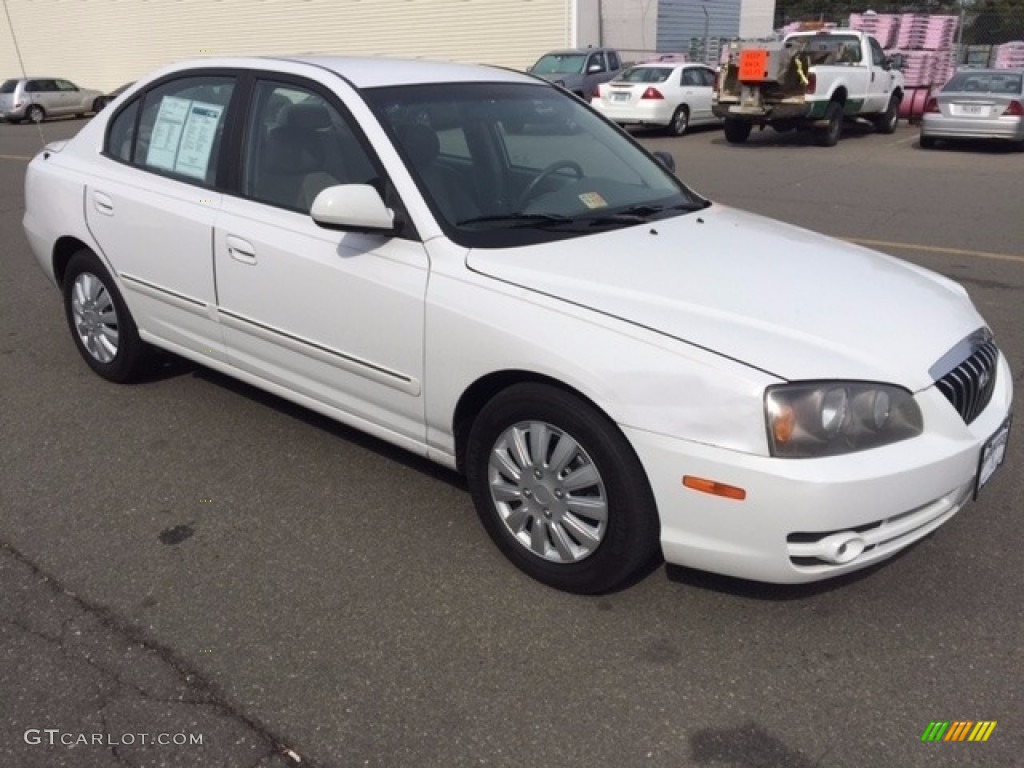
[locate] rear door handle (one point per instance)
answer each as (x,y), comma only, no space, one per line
(103,203)
(240,250)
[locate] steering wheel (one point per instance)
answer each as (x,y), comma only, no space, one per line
(531,188)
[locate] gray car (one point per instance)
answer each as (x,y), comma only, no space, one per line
(977,104)
(37,98)
(579,70)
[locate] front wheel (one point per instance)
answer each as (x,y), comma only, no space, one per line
(680,121)
(101,326)
(560,490)
(886,122)
(736,131)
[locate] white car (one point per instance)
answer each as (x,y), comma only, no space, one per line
(663,95)
(620,367)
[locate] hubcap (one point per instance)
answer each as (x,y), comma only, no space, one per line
(95,317)
(548,492)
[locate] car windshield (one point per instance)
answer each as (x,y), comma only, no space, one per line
(560,64)
(504,164)
(984,82)
(645,75)
(8,86)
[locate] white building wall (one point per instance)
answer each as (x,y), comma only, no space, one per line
(757,18)
(631,26)
(103,43)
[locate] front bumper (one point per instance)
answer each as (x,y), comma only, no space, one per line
(795,509)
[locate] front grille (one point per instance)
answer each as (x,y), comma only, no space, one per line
(969,386)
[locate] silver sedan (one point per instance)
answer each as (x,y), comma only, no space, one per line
(977,104)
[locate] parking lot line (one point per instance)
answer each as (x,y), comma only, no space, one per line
(14,157)
(936,249)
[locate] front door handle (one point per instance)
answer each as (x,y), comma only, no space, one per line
(240,250)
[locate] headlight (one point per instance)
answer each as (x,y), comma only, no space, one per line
(827,418)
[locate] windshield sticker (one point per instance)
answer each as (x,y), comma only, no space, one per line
(183,136)
(593,200)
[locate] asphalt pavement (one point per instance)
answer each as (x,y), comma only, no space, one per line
(193,572)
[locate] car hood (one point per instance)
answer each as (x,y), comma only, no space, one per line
(785,300)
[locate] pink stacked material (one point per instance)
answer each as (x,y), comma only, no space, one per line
(918,67)
(924,32)
(1009,55)
(882,26)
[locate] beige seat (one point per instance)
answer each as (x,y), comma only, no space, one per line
(294,166)
(445,186)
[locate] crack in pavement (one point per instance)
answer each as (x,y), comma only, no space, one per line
(58,675)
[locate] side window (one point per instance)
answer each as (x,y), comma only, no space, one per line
(709,77)
(121,133)
(690,77)
(877,54)
(613,60)
(598,59)
(298,144)
(180,128)
(34,86)
(65,85)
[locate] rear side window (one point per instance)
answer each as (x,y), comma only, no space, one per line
(66,85)
(175,129)
(8,86)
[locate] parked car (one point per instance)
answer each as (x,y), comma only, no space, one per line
(106,98)
(620,367)
(578,70)
(672,96)
(36,98)
(976,104)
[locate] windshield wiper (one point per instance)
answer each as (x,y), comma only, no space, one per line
(518,220)
(641,214)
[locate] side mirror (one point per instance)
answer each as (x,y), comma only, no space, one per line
(352,207)
(666,159)
(895,61)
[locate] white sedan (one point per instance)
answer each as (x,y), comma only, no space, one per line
(659,94)
(621,368)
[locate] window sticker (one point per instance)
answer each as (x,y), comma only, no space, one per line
(593,200)
(183,136)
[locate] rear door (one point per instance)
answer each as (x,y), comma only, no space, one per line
(152,203)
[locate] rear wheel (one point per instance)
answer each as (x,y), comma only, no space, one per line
(101,326)
(680,121)
(829,135)
(736,131)
(35,113)
(560,490)
(886,122)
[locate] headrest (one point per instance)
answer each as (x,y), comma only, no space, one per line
(420,142)
(309,116)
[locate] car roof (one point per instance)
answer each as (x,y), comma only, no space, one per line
(370,72)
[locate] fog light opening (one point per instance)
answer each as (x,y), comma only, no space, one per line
(840,548)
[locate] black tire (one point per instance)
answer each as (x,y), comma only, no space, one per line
(926,142)
(35,114)
(99,103)
(829,135)
(680,121)
(736,131)
(95,309)
(609,552)
(887,121)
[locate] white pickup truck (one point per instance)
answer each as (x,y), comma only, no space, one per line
(809,80)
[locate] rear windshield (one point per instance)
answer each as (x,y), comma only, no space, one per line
(984,82)
(8,86)
(646,75)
